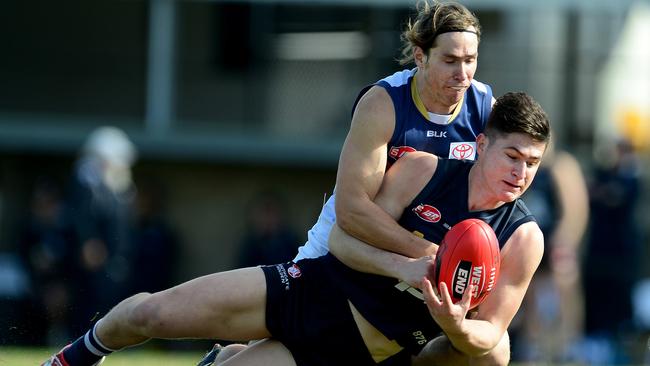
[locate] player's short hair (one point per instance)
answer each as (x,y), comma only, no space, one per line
(434,18)
(518,112)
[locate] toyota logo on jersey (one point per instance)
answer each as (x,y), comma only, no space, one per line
(462,150)
(427,213)
(396,152)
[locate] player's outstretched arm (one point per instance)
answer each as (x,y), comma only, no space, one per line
(478,336)
(361,170)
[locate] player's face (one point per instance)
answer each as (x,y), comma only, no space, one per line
(447,70)
(508,164)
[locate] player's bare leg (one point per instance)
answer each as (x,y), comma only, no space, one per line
(228,305)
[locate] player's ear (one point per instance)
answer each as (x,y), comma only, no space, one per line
(419,57)
(482,142)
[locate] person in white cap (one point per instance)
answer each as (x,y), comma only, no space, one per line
(101,203)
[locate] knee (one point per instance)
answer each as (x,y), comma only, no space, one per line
(146,314)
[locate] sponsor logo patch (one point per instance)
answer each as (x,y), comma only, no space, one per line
(396,152)
(427,213)
(462,150)
(294,271)
(441,134)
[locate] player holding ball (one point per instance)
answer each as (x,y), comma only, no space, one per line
(429,196)
(325,312)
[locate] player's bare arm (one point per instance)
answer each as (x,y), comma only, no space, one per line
(477,336)
(365,258)
(360,173)
(413,170)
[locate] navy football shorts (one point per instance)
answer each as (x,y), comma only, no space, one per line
(310,315)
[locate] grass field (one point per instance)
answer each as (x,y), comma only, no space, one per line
(34,357)
(11,356)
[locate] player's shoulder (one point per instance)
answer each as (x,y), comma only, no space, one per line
(399,78)
(529,231)
(419,157)
(418,161)
(377,96)
(410,174)
(529,239)
(375,107)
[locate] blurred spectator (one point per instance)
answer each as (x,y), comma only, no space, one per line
(269,238)
(614,252)
(155,240)
(101,202)
(641,308)
(17,326)
(47,247)
(554,303)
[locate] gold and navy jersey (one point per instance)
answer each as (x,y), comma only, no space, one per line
(394,308)
(414,129)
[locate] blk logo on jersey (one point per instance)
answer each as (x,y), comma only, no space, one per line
(462,150)
(427,213)
(396,152)
(442,134)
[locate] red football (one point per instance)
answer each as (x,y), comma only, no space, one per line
(468,254)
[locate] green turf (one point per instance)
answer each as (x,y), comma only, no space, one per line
(34,357)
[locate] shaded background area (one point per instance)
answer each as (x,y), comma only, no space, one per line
(227,99)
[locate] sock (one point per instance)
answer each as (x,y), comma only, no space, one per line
(86,350)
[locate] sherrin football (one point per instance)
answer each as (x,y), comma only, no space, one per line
(468,254)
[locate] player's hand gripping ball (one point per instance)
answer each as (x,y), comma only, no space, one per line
(468,254)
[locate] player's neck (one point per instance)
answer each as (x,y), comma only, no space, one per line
(479,196)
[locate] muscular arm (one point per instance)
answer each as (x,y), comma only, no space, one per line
(413,170)
(356,254)
(477,336)
(366,258)
(360,173)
